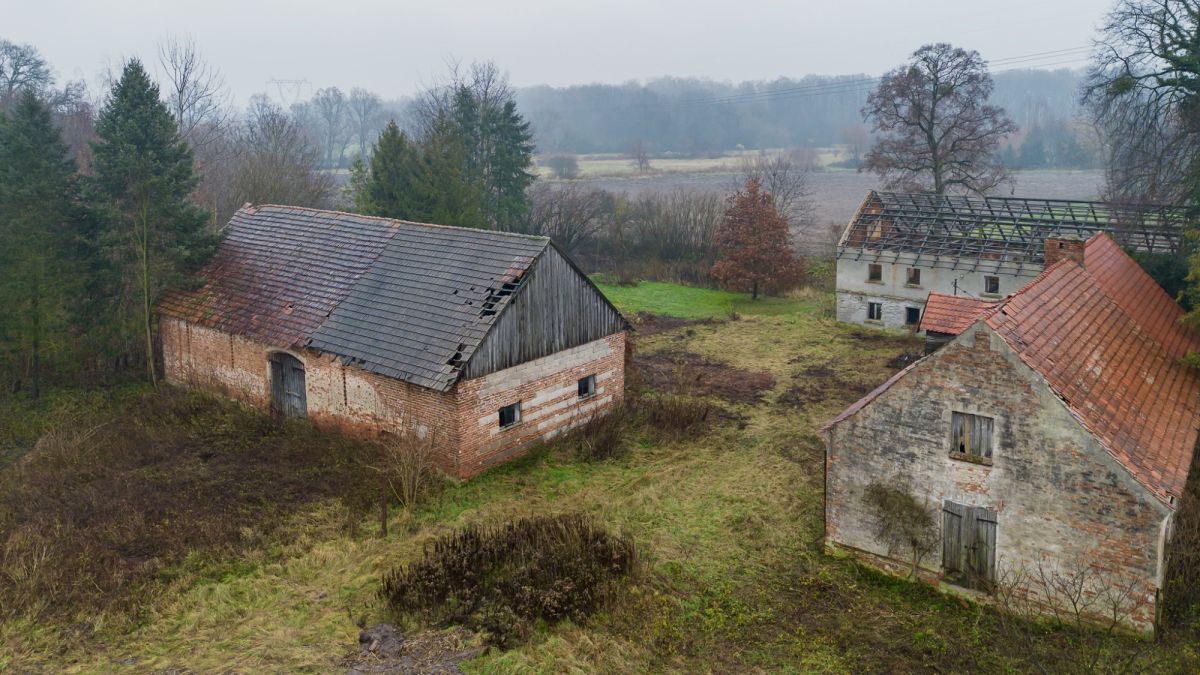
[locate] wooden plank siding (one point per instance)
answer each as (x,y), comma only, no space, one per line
(555,308)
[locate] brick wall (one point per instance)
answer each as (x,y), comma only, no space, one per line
(1061,498)
(463,421)
(548,392)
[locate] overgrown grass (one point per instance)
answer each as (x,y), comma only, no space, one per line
(728,525)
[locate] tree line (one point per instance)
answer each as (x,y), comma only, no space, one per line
(700,117)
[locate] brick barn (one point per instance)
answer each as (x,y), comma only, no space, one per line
(900,247)
(488,341)
(1056,430)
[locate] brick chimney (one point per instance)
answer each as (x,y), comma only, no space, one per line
(1067,246)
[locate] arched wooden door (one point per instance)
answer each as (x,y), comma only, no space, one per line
(287,386)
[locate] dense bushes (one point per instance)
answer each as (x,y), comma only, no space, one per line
(504,578)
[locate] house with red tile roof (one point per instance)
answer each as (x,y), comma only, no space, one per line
(946,316)
(1052,438)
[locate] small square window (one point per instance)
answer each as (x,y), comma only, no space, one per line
(587,386)
(912,316)
(874,272)
(991,285)
(874,311)
(971,436)
(510,415)
(914,276)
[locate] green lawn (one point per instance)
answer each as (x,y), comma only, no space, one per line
(657,297)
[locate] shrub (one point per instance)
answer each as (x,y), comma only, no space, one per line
(408,466)
(603,436)
(504,578)
(902,521)
(674,417)
(563,166)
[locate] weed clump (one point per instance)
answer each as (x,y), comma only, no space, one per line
(675,417)
(604,436)
(505,578)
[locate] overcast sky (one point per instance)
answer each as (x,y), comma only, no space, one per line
(396,47)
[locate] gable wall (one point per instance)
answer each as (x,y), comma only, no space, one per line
(555,309)
(1059,494)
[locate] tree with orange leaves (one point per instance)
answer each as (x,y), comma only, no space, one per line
(754,244)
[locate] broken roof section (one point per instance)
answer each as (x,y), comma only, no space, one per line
(1108,341)
(951,314)
(963,232)
(406,300)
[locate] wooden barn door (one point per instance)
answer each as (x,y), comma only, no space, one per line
(969,544)
(287,386)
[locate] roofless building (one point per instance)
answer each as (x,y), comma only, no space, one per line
(900,247)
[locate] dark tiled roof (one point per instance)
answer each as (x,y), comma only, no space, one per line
(425,305)
(280,271)
(1108,341)
(405,300)
(951,314)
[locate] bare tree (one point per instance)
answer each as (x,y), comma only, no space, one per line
(855,137)
(276,163)
(936,130)
(641,156)
(1094,604)
(785,180)
(195,92)
(364,114)
(1143,91)
(329,109)
(570,214)
(22,67)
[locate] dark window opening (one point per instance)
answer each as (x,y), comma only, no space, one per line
(912,316)
(914,276)
(991,285)
(874,272)
(874,311)
(510,415)
(971,436)
(587,386)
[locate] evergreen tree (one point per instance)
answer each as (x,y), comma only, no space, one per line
(394,184)
(454,195)
(1033,150)
(509,164)
(754,244)
(143,177)
(38,206)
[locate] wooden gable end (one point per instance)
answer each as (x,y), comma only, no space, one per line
(556,307)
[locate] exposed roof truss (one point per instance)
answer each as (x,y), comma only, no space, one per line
(957,232)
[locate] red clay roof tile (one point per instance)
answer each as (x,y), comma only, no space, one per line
(951,314)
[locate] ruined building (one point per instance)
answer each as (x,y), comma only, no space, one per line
(901,247)
(483,341)
(1053,433)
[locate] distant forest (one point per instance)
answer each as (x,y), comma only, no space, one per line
(695,117)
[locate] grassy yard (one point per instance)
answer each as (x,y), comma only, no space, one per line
(728,527)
